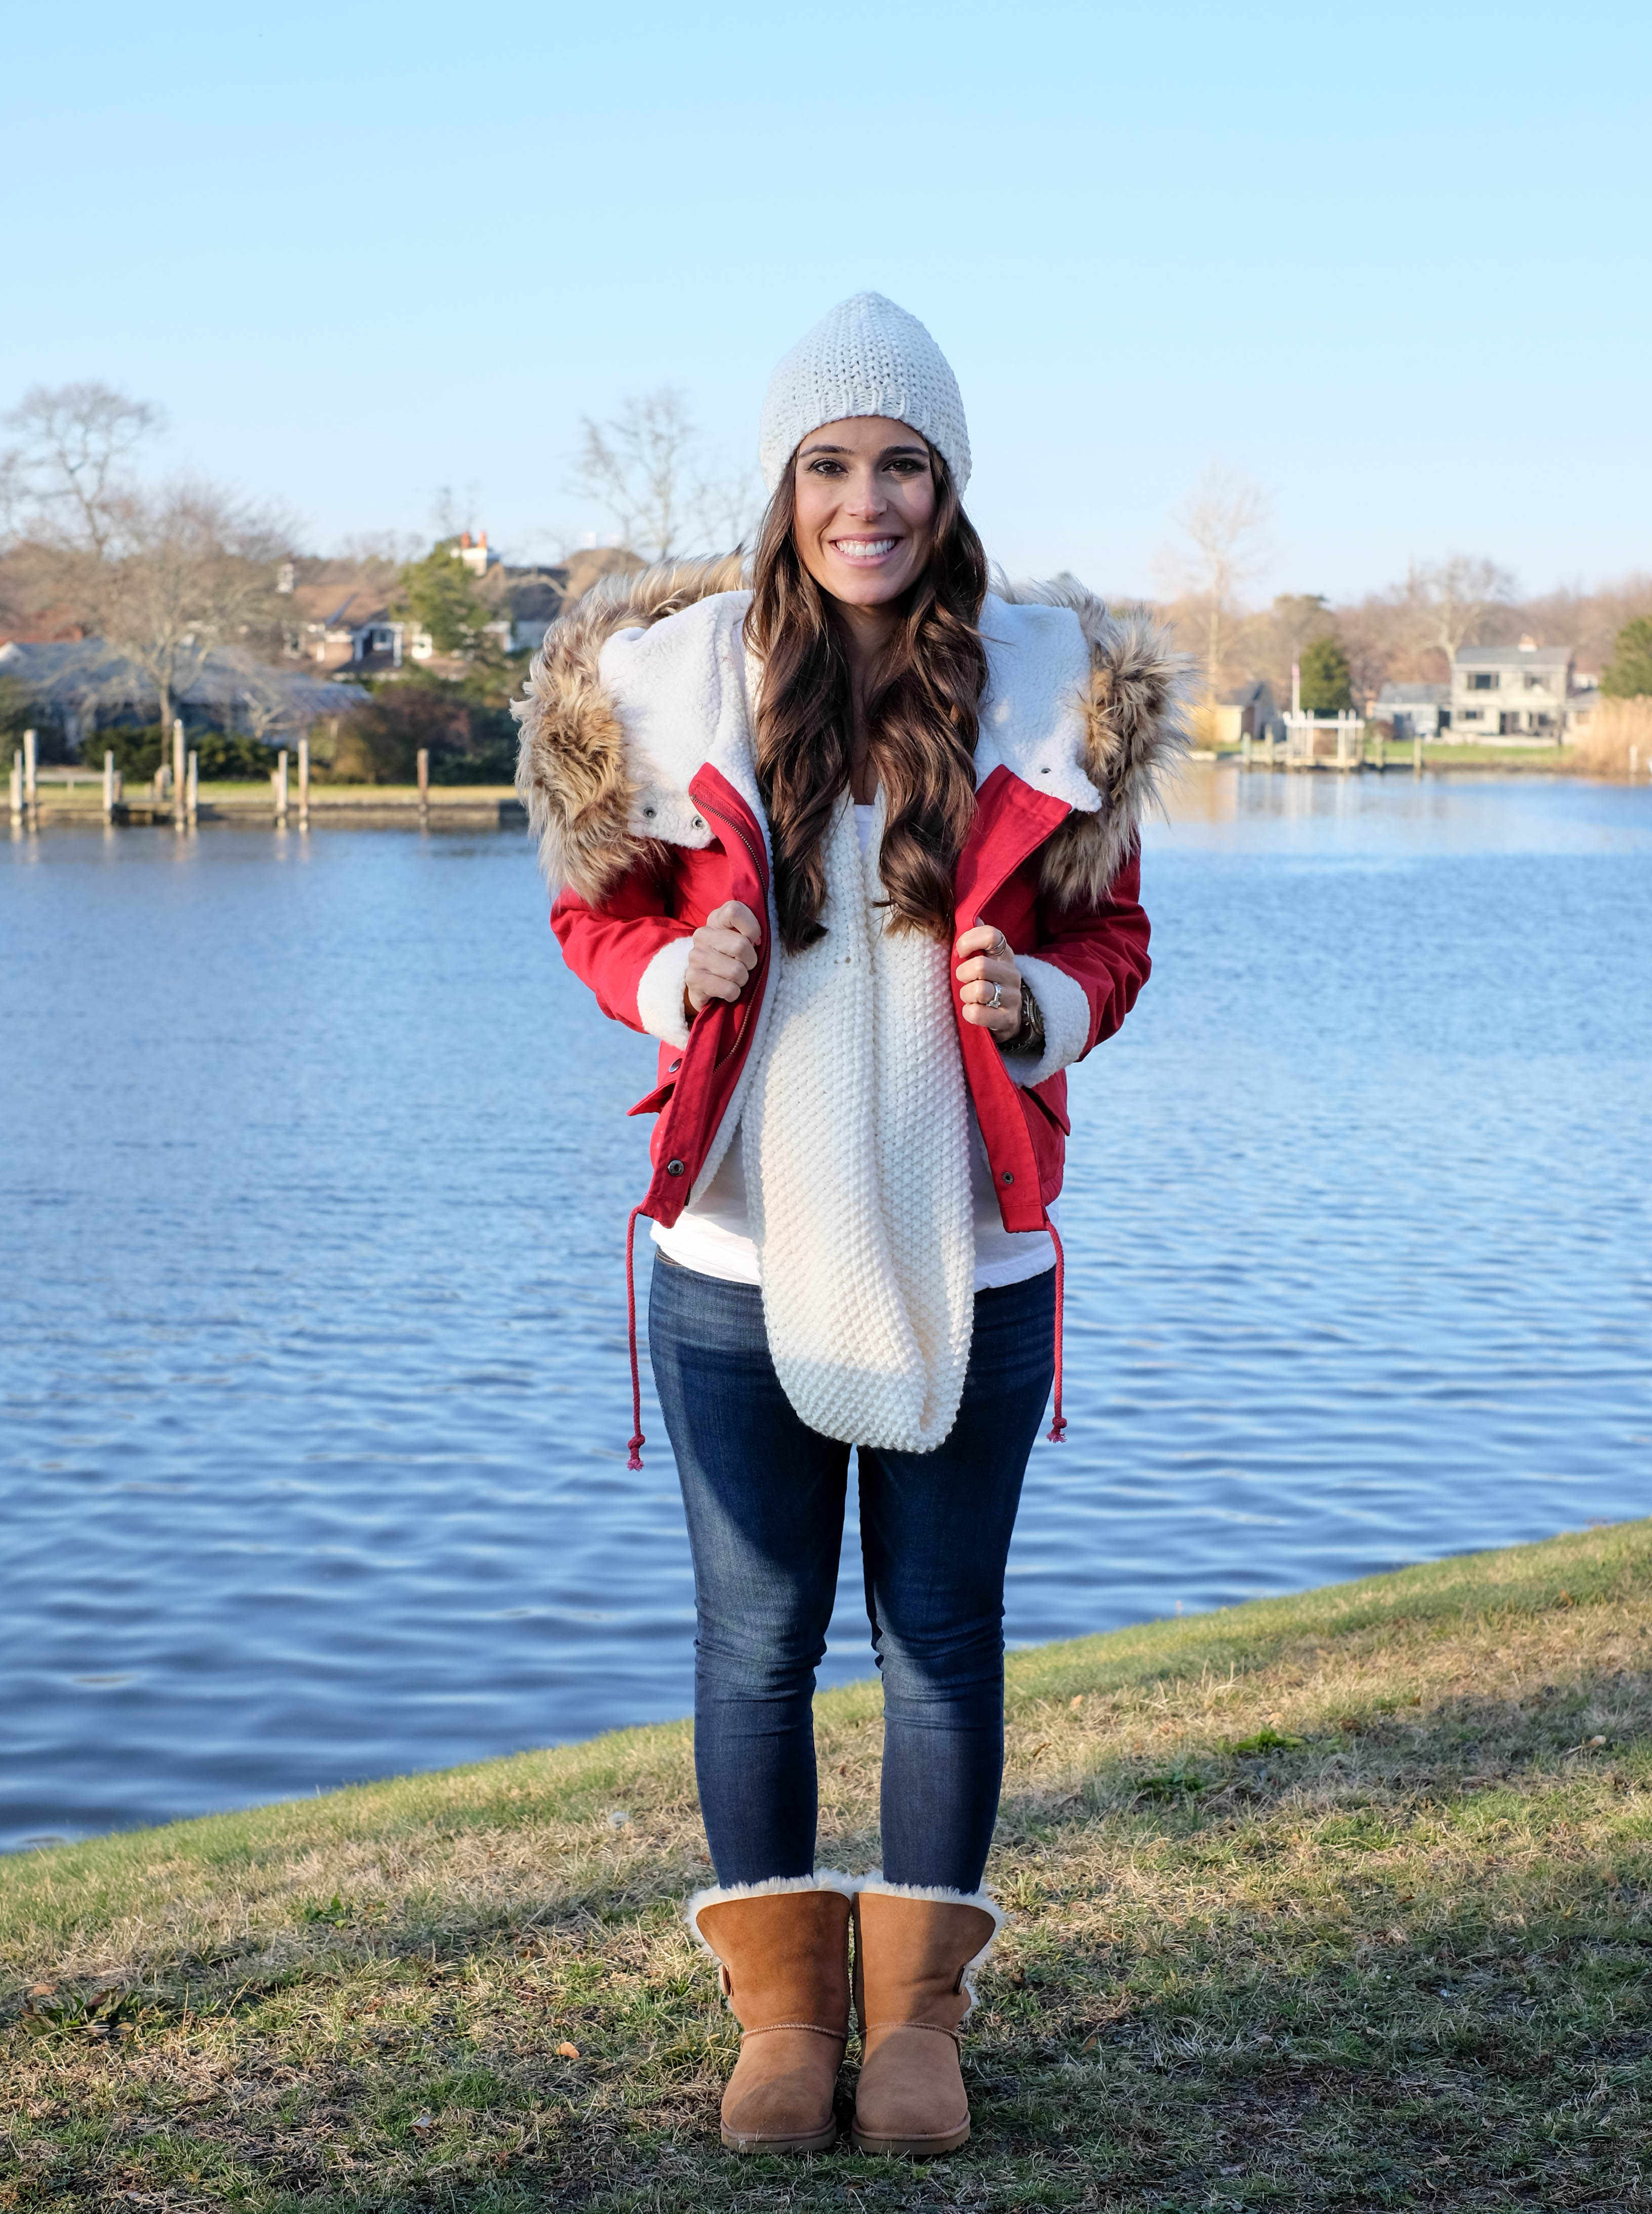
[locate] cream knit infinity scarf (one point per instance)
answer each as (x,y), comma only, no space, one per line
(856,1134)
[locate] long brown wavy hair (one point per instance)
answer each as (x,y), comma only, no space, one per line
(921,708)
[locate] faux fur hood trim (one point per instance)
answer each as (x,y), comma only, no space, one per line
(1135,734)
(572,774)
(723,1895)
(574,777)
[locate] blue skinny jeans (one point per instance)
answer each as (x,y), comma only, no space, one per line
(765,1499)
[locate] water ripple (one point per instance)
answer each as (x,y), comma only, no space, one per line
(315,1373)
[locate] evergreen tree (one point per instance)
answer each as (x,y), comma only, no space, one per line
(1326,677)
(439,594)
(1628,675)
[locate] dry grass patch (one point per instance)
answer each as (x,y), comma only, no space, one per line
(1341,1902)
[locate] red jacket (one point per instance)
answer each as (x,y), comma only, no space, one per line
(1061,882)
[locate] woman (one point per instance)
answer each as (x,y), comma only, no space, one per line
(858,845)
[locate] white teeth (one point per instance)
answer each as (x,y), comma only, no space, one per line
(865,549)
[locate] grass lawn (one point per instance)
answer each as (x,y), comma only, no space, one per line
(1445,755)
(1336,1902)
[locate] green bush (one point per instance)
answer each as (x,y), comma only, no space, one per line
(227,755)
(468,731)
(138,752)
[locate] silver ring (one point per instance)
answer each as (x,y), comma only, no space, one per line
(997,999)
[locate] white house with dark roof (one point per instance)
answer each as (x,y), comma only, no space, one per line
(1525,691)
(1416,710)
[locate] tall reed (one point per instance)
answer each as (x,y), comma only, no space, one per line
(1616,740)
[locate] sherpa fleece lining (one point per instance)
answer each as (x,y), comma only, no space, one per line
(941,1897)
(659,993)
(722,1894)
(1065,1005)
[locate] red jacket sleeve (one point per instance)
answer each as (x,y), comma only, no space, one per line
(608,947)
(1103,948)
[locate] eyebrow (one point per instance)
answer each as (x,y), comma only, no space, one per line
(883,453)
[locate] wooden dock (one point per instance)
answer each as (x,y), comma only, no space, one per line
(177,796)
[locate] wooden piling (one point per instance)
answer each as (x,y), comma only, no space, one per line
(179,776)
(31,790)
(278,779)
(303,784)
(108,785)
(16,787)
(424,783)
(193,793)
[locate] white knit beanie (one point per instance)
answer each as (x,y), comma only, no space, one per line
(866,358)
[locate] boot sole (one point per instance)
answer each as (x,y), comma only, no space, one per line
(814,2141)
(912,2148)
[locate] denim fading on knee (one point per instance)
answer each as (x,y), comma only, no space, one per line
(765,1497)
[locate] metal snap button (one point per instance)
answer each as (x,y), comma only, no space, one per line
(672,1067)
(1009,1176)
(674,1168)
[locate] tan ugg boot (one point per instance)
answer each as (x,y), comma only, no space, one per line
(783,1947)
(916,1952)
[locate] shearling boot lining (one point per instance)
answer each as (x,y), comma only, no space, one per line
(725,1894)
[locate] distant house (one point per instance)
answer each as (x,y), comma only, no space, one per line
(1416,710)
(1525,691)
(532,598)
(1582,708)
(531,601)
(1248,712)
(340,620)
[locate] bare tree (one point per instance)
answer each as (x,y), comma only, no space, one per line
(634,466)
(1223,529)
(727,502)
(66,469)
(162,576)
(665,491)
(1453,598)
(180,571)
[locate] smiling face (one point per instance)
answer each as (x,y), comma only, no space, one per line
(864,509)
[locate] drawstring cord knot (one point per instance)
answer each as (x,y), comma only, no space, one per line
(637,1442)
(1058,1430)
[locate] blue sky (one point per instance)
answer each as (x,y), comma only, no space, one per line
(1391,263)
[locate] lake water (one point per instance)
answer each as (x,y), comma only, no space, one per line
(313,1373)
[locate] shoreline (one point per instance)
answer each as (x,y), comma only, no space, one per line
(1340,1899)
(248,804)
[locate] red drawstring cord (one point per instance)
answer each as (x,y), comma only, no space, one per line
(638,1440)
(1057,1428)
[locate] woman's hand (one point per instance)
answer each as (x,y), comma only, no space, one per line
(984,961)
(722,955)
